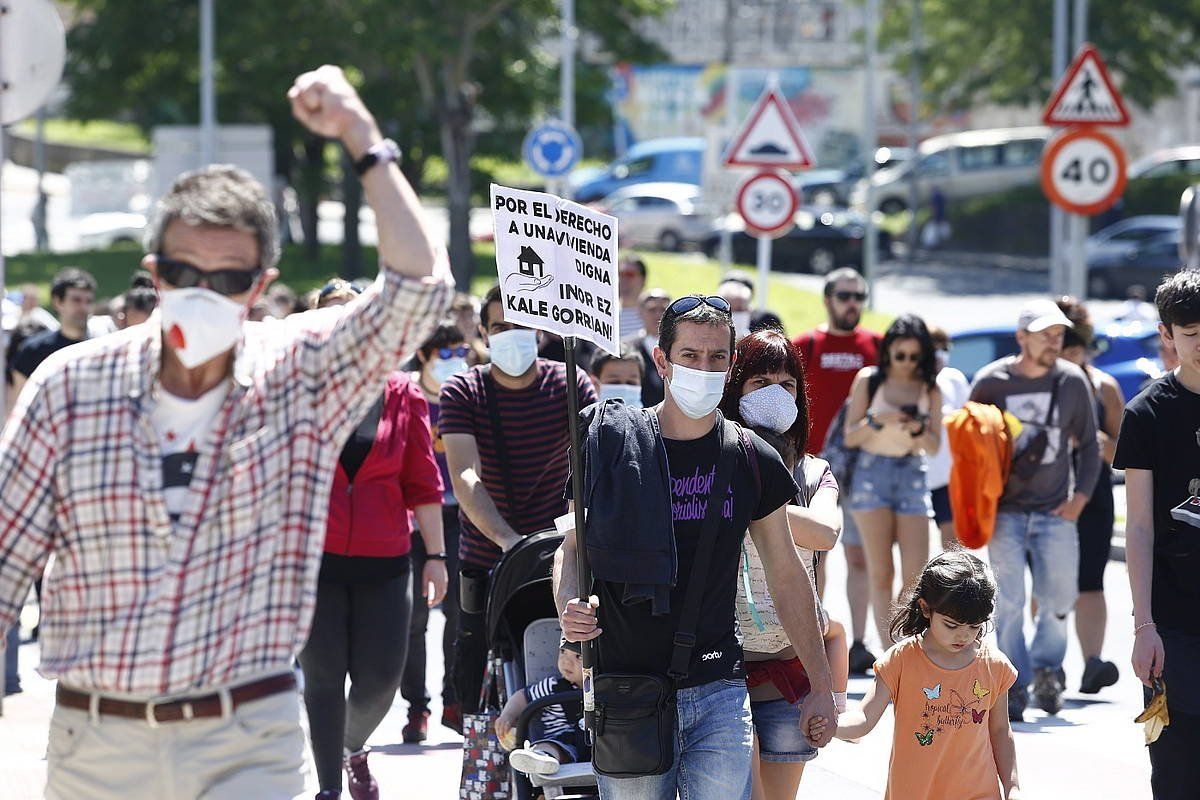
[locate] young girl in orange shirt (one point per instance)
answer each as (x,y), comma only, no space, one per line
(950,741)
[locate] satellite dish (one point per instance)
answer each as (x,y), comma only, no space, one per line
(33,49)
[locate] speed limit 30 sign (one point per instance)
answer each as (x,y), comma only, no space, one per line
(767,204)
(1083,171)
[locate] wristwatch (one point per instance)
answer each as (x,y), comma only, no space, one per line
(435,556)
(380,153)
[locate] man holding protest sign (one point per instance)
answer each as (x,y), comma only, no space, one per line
(665,569)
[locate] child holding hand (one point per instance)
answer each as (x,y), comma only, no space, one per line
(558,734)
(945,682)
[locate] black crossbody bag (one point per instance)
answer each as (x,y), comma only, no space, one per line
(635,714)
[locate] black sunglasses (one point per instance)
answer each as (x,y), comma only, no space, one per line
(451,352)
(335,286)
(901,357)
(693,301)
(846,297)
(183,275)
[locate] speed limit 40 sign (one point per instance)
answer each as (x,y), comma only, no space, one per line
(767,203)
(1083,171)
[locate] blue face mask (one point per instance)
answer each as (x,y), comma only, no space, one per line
(513,352)
(443,368)
(629,395)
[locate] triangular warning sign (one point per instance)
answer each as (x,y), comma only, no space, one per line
(770,137)
(1086,94)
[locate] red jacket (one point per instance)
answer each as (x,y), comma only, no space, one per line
(371,516)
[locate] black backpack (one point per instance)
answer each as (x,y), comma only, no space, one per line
(842,459)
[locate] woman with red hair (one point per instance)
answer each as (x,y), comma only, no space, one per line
(766,392)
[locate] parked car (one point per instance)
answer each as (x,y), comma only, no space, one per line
(1145,263)
(961,165)
(1127,351)
(668,216)
(1169,162)
(822,240)
(674,160)
(824,187)
(1123,236)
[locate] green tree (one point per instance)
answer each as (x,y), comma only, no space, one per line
(998,51)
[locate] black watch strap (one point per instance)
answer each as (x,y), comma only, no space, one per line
(435,556)
(384,151)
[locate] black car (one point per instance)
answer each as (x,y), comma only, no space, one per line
(822,240)
(1110,275)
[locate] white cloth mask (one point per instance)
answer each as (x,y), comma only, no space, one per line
(443,368)
(200,324)
(771,407)
(513,352)
(696,392)
(629,395)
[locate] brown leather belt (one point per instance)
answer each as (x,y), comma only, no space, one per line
(184,708)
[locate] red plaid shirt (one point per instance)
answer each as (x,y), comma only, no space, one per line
(135,605)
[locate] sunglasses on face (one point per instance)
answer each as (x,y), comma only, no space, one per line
(334,286)
(902,356)
(846,297)
(453,352)
(693,301)
(183,275)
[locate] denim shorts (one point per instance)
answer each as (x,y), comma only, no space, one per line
(777,726)
(895,482)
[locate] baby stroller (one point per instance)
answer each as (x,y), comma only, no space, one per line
(523,633)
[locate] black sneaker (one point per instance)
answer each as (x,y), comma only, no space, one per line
(1097,674)
(1047,690)
(1018,699)
(861,659)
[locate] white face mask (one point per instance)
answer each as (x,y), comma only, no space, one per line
(443,368)
(200,324)
(696,392)
(771,407)
(513,352)
(629,395)
(741,323)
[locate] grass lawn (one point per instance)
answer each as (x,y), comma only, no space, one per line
(94,133)
(678,274)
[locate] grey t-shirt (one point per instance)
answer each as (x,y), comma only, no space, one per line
(1073,421)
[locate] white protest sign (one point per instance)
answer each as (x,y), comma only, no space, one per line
(557,263)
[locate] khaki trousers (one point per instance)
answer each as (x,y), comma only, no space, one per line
(256,753)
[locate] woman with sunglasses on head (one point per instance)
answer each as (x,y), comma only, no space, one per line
(386,471)
(894,419)
(445,353)
(766,392)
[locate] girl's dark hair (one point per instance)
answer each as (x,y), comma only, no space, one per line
(1081,333)
(1178,299)
(444,335)
(910,326)
(956,584)
(761,353)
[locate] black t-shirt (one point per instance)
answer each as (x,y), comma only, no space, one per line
(1161,432)
(36,349)
(636,641)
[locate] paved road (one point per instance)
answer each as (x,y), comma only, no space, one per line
(1092,749)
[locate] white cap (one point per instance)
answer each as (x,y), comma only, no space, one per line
(1041,314)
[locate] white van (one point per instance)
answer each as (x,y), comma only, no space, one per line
(961,165)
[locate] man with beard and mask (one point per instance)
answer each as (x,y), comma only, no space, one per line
(504,428)
(833,354)
(678,459)
(1042,499)
(180,471)
(652,306)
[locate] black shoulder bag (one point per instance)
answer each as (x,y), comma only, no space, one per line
(1026,463)
(635,714)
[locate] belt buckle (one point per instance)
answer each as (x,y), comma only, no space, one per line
(151,719)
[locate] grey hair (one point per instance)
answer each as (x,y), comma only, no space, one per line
(223,196)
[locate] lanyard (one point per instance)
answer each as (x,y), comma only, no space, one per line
(750,594)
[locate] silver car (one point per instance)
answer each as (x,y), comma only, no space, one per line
(668,216)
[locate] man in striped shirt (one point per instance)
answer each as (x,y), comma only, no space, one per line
(180,472)
(508,468)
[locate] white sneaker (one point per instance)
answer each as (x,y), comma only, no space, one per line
(533,762)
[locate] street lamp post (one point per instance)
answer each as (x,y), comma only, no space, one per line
(208,97)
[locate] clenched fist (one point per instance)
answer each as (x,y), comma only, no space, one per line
(325,103)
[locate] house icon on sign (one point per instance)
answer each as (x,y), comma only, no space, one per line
(531,263)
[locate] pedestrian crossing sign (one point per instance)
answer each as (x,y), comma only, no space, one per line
(1086,95)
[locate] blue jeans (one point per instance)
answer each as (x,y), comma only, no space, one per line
(713,742)
(1050,545)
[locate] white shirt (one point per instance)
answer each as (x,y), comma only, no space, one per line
(955,391)
(183,427)
(631,321)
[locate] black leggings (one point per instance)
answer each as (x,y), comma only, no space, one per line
(413,688)
(1095,533)
(360,630)
(1174,768)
